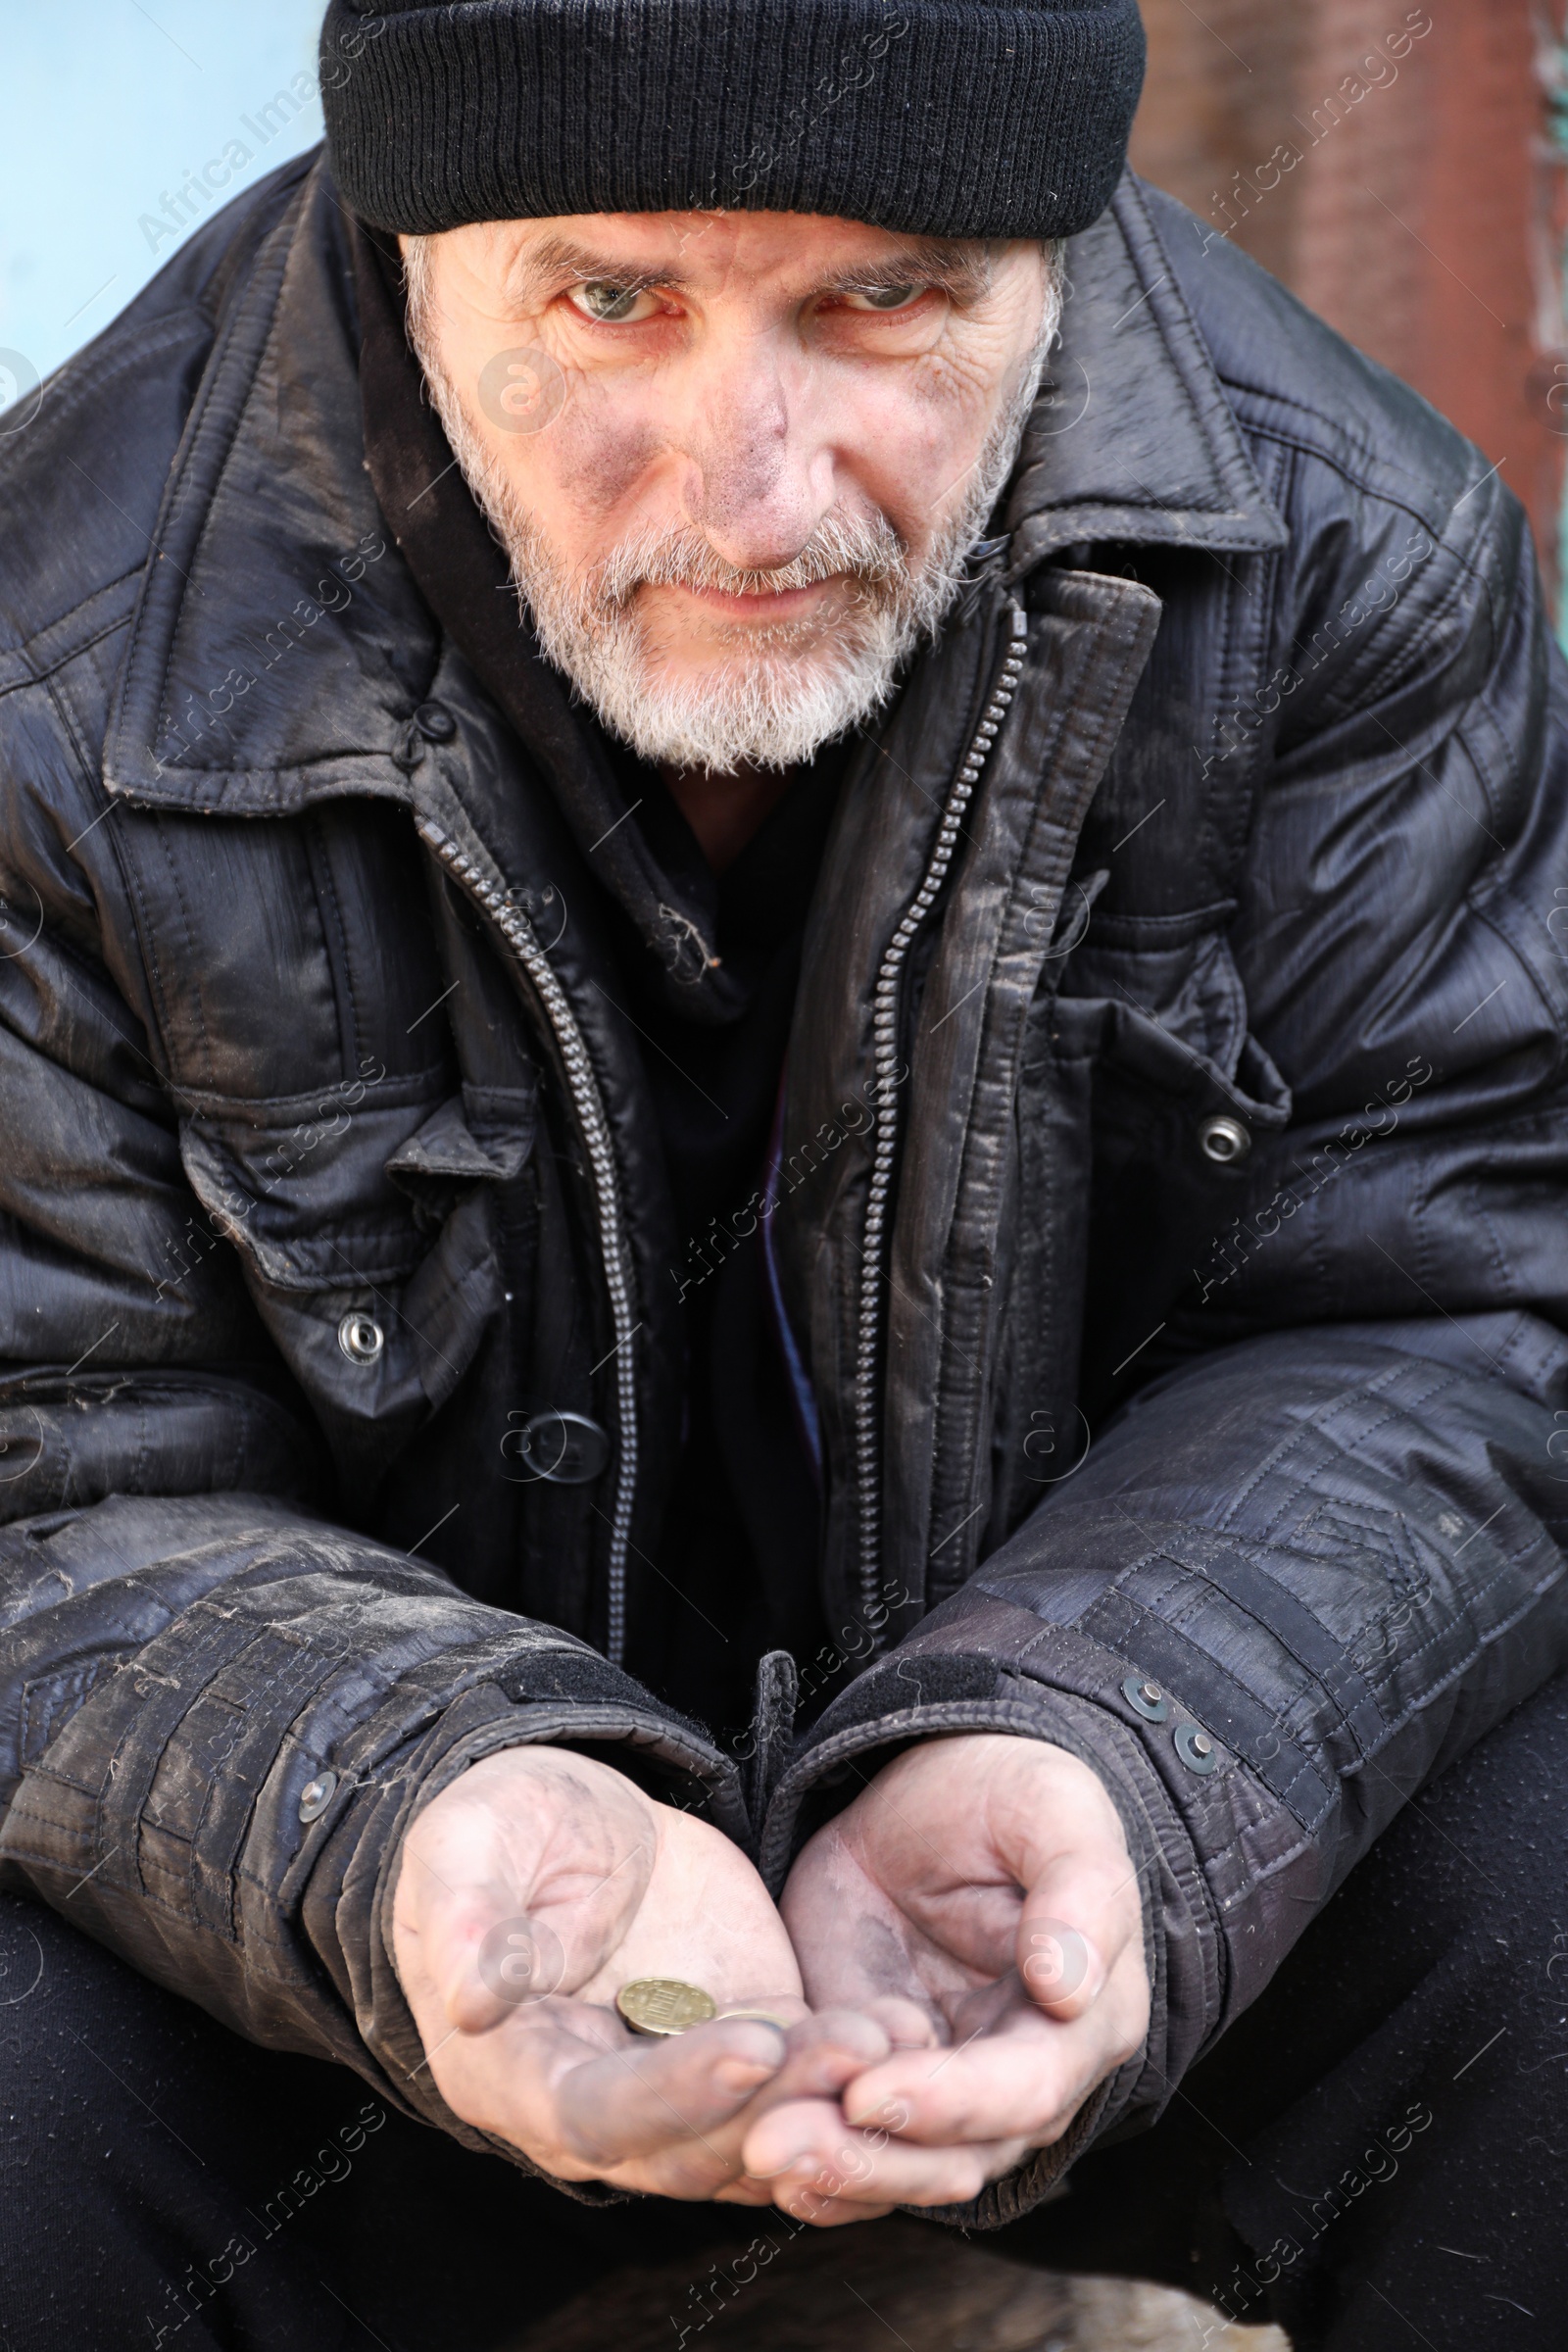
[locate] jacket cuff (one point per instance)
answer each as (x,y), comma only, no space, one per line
(223,1801)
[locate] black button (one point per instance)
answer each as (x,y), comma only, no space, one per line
(1225,1140)
(317,1795)
(566,1450)
(1146,1696)
(436,722)
(361,1337)
(1196,1748)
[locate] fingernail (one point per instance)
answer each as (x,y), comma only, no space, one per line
(742,2073)
(889,2115)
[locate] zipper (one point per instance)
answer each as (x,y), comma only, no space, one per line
(885,1036)
(519,936)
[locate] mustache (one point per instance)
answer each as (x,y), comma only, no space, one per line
(856,547)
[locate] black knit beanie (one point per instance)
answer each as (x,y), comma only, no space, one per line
(941,117)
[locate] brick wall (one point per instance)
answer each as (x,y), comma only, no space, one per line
(1398,167)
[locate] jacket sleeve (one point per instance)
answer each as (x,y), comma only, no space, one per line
(1320,1551)
(187,1644)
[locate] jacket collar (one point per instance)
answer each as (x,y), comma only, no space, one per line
(280,645)
(1134,440)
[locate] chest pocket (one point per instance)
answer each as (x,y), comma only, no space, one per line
(365,1219)
(1156,1003)
(1178,1097)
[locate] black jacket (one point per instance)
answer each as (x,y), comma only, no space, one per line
(1169,1223)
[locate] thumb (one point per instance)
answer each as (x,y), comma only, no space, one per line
(1076,1922)
(485,1957)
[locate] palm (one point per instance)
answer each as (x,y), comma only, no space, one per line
(880,1904)
(530,1892)
(984,1880)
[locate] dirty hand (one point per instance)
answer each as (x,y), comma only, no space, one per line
(982,1885)
(529,1891)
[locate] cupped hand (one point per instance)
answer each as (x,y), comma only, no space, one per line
(980,1885)
(529,1891)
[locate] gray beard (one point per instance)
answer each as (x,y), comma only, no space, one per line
(774,697)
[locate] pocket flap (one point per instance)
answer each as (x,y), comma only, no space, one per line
(1160,999)
(485,1135)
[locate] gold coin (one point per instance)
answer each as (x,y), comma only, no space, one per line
(665,2005)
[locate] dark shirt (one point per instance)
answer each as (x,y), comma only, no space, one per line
(743,1519)
(742,1524)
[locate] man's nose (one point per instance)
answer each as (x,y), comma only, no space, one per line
(757,484)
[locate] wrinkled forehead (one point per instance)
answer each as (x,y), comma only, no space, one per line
(709,253)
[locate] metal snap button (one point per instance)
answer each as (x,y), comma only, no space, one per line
(566,1450)
(1225,1140)
(1196,1748)
(317,1795)
(361,1337)
(1146,1696)
(436,722)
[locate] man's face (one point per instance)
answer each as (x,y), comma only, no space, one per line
(737,458)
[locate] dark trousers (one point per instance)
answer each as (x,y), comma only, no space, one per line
(1375,2156)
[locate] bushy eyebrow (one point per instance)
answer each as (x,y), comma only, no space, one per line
(963,272)
(555,262)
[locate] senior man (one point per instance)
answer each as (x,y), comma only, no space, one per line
(782,1207)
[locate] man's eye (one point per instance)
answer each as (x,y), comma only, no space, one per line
(614,305)
(883,298)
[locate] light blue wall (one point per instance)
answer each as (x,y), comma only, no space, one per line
(106,107)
